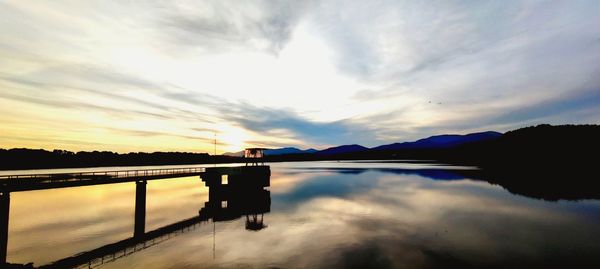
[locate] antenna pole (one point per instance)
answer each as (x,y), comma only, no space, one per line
(215,154)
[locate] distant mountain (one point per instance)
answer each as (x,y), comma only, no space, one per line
(288,150)
(273,152)
(342,149)
(441,141)
(234,154)
(438,141)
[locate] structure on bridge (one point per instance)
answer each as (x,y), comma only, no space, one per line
(254,156)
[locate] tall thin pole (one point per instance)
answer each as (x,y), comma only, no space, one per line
(214,235)
(215,154)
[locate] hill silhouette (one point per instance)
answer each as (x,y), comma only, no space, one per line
(544,148)
(542,145)
(538,146)
(288,150)
(345,149)
(441,141)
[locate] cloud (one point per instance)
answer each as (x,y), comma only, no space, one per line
(57,102)
(223,25)
(58,84)
(147,133)
(567,105)
(267,120)
(487,65)
(87,77)
(276,122)
(291,72)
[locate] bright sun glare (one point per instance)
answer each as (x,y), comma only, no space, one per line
(230,138)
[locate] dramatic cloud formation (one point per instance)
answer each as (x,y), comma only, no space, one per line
(155,75)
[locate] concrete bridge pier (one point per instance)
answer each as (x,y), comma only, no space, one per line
(4,214)
(140,208)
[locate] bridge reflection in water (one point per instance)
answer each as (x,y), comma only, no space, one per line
(234,192)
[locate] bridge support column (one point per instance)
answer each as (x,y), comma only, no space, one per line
(140,208)
(4,214)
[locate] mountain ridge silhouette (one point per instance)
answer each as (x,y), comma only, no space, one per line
(540,146)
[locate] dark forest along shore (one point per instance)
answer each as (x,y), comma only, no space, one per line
(538,146)
(327,214)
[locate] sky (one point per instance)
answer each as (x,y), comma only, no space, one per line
(130,76)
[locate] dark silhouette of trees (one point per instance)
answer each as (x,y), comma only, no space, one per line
(21,158)
(544,147)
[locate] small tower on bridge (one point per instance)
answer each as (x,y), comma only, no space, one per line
(254,156)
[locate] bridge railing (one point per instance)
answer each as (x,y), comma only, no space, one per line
(108,174)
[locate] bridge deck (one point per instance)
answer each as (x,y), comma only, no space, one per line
(24,182)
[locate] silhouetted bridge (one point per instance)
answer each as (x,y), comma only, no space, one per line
(233,192)
(26,182)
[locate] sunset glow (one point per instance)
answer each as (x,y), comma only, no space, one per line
(146,76)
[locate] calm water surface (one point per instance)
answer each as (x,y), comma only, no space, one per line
(322,215)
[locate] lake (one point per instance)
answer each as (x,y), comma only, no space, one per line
(321,215)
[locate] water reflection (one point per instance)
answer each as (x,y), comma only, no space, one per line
(392,218)
(321,215)
(546,185)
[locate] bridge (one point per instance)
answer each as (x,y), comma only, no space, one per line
(244,192)
(27,182)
